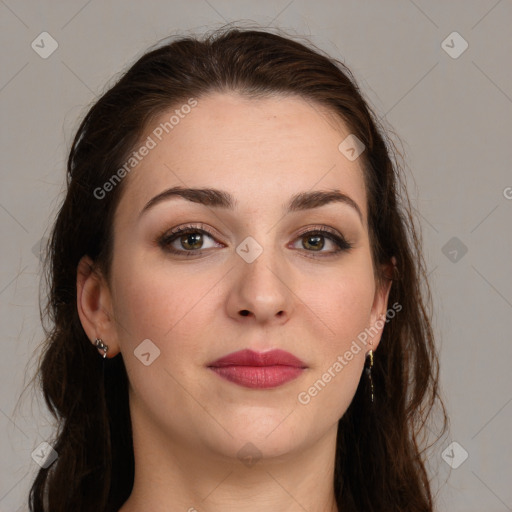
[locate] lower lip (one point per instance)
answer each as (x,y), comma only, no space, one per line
(258,377)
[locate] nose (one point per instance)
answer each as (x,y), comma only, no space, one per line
(261,291)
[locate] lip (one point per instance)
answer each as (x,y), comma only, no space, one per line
(258,370)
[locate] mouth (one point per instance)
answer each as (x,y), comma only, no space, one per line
(258,370)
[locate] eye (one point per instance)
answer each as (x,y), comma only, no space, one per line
(193,240)
(316,240)
(187,240)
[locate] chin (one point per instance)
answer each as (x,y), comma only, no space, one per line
(263,436)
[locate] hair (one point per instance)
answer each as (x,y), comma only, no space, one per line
(380,460)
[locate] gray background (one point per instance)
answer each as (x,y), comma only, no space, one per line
(453,115)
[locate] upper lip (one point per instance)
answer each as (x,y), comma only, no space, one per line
(248,357)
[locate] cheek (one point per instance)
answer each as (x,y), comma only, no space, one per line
(157,304)
(154,305)
(344,312)
(343,304)
(339,357)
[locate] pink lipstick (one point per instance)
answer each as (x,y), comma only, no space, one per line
(259,370)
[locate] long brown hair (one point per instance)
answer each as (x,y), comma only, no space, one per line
(381,448)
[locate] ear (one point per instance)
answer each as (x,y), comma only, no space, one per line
(94,304)
(380,304)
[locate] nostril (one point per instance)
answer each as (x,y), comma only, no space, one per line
(244,312)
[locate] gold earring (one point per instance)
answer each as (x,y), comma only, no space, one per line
(368,371)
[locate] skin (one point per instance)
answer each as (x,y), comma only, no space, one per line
(188,423)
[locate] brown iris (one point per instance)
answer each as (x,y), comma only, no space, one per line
(318,242)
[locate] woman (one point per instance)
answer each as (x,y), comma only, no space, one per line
(236,294)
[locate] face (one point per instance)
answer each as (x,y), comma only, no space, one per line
(253,275)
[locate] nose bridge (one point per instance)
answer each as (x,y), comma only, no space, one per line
(260,289)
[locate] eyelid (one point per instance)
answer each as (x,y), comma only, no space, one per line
(320,227)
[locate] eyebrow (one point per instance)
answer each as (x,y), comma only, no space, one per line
(222,199)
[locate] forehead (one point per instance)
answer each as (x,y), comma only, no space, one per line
(259,150)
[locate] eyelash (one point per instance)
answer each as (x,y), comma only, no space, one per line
(165,240)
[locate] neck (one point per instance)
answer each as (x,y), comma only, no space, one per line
(172,474)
